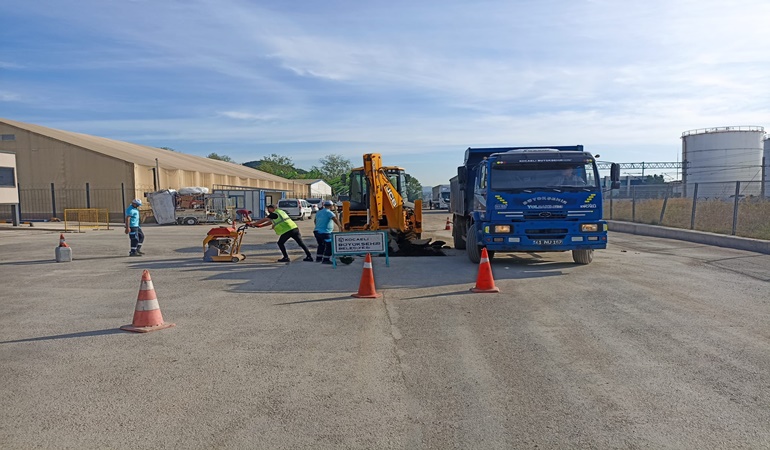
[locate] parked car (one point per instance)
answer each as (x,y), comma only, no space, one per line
(315,203)
(296,208)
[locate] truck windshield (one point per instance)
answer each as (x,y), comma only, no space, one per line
(445,196)
(557,176)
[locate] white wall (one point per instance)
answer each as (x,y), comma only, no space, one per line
(320,189)
(8,194)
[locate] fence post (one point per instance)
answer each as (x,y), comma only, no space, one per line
(88,196)
(53,200)
(694,204)
(18,208)
(633,204)
(123,197)
(663,209)
(610,205)
(735,206)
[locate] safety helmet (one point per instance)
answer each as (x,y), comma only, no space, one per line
(136,202)
(328,203)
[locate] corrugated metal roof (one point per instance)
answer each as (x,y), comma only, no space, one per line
(145,155)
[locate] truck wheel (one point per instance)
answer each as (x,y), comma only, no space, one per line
(190,221)
(583,256)
(457,234)
(474,250)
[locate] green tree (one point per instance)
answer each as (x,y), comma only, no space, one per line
(413,188)
(654,179)
(332,166)
(220,157)
(279,165)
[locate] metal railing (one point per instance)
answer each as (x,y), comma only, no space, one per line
(86,219)
(723,129)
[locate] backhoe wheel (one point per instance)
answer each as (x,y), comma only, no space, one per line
(583,256)
(235,259)
(474,250)
(190,221)
(457,234)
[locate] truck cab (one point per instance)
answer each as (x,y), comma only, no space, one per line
(528,199)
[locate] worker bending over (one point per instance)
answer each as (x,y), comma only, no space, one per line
(285,228)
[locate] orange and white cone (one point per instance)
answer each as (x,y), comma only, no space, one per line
(147,316)
(448,224)
(484,280)
(366,287)
(62,243)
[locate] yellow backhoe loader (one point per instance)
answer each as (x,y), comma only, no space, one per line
(378,201)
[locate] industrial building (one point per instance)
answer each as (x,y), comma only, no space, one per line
(59,169)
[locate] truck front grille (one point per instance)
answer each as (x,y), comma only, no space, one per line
(545,215)
(546,233)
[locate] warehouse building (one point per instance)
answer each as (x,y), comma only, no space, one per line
(59,169)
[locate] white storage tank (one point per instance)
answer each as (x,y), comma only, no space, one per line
(716,158)
(767,165)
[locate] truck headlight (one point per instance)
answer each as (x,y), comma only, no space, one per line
(502,228)
(589,227)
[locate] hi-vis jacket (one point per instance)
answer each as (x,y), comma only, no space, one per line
(283,223)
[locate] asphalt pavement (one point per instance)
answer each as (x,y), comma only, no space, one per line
(656,344)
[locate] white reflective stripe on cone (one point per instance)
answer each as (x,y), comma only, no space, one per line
(367,265)
(146,286)
(147,305)
(483,260)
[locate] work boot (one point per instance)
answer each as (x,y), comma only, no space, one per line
(308,259)
(284,260)
(134,254)
(140,253)
(326,261)
(318,259)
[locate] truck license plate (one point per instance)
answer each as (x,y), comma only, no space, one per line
(547,241)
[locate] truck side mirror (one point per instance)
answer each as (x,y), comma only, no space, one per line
(615,176)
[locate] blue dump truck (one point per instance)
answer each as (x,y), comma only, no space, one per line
(529,199)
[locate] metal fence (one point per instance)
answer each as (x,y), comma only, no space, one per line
(738,208)
(50,203)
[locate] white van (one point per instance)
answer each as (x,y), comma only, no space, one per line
(296,208)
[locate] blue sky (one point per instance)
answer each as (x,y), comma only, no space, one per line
(417,81)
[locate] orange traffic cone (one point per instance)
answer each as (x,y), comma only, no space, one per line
(147,316)
(484,281)
(448,224)
(366,288)
(61,241)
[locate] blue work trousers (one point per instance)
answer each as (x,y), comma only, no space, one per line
(324,241)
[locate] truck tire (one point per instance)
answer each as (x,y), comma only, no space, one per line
(190,221)
(583,256)
(474,250)
(458,228)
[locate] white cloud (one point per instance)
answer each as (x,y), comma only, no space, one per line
(6,96)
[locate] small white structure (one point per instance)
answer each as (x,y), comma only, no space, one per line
(9,192)
(315,188)
(716,158)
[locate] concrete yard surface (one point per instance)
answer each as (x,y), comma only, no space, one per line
(656,344)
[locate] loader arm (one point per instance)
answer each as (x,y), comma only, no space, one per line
(384,204)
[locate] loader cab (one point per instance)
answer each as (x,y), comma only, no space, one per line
(359,187)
